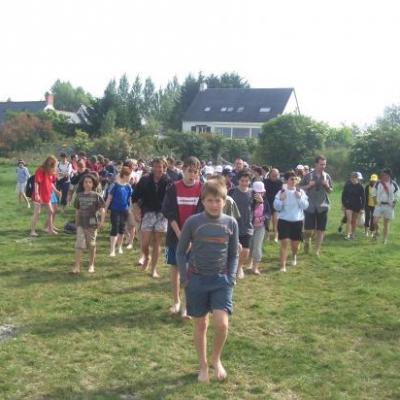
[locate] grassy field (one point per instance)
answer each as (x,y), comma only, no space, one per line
(328,329)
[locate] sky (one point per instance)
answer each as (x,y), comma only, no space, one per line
(342,57)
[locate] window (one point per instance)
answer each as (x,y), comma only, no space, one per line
(240,109)
(223,109)
(222,130)
(265,109)
(193,128)
(241,132)
(229,109)
(207,109)
(255,132)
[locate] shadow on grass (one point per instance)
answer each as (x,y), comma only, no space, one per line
(158,387)
(148,317)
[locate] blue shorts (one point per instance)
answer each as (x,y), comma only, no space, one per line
(207,293)
(170,256)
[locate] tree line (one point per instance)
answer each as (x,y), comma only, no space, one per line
(127,120)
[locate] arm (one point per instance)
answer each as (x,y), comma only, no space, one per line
(233,254)
(303,201)
(362,196)
(109,200)
(278,203)
(183,245)
(102,217)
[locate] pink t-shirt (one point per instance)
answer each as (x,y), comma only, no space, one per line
(258,215)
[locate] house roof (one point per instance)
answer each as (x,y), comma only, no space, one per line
(238,105)
(20,106)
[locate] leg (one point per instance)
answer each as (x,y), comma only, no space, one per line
(354,218)
(77,267)
(120,240)
(174,277)
(92,256)
(275,226)
(155,253)
(114,219)
(145,237)
(349,218)
(386,223)
(283,254)
(244,255)
(221,323)
(307,240)
(35,217)
(376,227)
(319,237)
(200,341)
(257,247)
(294,244)
(113,242)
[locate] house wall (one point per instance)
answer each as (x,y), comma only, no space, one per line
(230,129)
(291,106)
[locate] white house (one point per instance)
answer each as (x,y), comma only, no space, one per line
(237,113)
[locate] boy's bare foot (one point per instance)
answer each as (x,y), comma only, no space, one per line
(112,254)
(120,251)
(282,269)
(256,271)
(240,273)
(91,269)
(185,316)
(130,246)
(155,275)
(203,376)
(219,371)
(34,234)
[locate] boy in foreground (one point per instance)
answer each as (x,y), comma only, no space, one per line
(87,204)
(209,277)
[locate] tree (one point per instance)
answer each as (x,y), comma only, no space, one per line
(149,98)
(290,139)
(135,105)
(24,131)
(68,98)
(226,80)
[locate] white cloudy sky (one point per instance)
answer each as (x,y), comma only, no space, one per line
(342,57)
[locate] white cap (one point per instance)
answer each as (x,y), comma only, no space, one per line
(228,167)
(300,166)
(258,187)
(208,170)
(218,169)
(359,176)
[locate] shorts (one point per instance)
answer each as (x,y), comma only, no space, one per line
(118,222)
(244,240)
(85,238)
(154,221)
(292,230)
(170,255)
(208,293)
(20,187)
(315,220)
(384,210)
(53,198)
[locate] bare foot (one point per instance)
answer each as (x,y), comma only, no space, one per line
(34,234)
(174,309)
(91,269)
(75,270)
(219,371)
(185,316)
(240,273)
(282,269)
(256,271)
(155,275)
(203,376)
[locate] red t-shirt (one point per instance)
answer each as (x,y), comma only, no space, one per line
(45,182)
(187,198)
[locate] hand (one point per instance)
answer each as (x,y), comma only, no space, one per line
(137,217)
(282,196)
(311,184)
(258,198)
(297,193)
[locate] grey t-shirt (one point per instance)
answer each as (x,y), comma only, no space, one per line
(214,245)
(88,204)
(318,199)
(244,201)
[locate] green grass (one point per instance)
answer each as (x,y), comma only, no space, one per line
(328,329)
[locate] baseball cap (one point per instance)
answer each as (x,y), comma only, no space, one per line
(373,178)
(258,187)
(208,170)
(300,166)
(359,175)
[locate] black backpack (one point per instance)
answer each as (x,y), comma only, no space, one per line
(30,185)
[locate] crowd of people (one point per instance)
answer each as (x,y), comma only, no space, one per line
(214,219)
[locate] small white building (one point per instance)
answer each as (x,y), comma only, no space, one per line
(237,113)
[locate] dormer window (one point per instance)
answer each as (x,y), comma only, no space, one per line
(240,109)
(223,109)
(207,109)
(229,109)
(265,109)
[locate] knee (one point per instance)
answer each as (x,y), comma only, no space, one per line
(221,325)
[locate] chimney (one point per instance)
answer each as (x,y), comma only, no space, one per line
(203,86)
(49,100)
